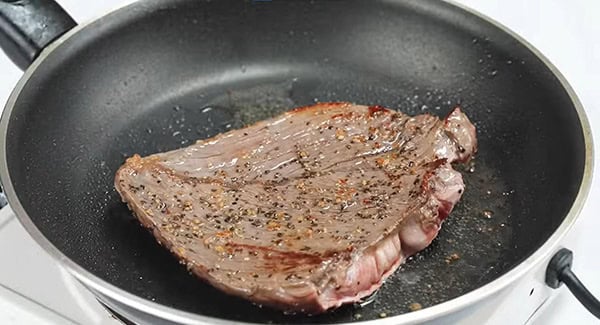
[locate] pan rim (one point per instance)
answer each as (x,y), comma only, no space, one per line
(107,289)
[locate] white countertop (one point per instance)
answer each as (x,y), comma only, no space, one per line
(568,33)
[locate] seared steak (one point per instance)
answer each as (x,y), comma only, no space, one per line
(308,210)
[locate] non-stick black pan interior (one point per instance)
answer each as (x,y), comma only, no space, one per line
(162,74)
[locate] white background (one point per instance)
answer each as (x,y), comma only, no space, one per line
(568,33)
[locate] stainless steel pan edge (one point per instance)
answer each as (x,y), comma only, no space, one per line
(101,287)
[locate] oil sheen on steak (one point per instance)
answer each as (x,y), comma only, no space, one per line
(308,210)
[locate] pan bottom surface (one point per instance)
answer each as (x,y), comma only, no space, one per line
(468,252)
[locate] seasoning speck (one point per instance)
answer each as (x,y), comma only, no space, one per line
(415,306)
(488,214)
(382,315)
(452,258)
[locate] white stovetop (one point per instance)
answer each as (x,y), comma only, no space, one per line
(568,33)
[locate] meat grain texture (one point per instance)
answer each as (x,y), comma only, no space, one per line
(308,210)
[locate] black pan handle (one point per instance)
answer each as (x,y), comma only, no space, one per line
(559,271)
(27,26)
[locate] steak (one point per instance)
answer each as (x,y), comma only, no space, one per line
(308,210)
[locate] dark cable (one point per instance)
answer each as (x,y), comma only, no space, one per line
(582,294)
(3,201)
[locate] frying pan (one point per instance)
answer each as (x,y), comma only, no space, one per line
(160,74)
